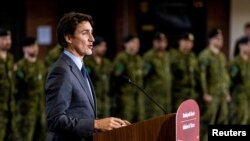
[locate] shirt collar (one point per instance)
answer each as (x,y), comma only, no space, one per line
(75,59)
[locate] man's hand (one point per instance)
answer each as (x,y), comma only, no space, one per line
(110,123)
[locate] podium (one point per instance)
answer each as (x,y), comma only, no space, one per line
(161,128)
(184,125)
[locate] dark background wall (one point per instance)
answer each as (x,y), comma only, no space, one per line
(173,17)
(115,19)
(14,19)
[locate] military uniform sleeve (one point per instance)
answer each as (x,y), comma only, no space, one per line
(204,63)
(119,67)
(226,77)
(147,65)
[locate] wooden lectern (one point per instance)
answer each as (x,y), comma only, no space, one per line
(156,129)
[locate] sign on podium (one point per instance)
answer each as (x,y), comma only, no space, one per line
(188,121)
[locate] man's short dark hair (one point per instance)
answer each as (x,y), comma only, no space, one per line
(68,23)
(4,32)
(28,41)
(98,40)
(129,37)
(159,36)
(247,25)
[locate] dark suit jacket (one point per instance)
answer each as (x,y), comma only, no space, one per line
(70,110)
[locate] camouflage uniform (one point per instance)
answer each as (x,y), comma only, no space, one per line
(184,68)
(30,100)
(7,101)
(52,56)
(100,75)
(215,81)
(129,100)
(157,82)
(240,74)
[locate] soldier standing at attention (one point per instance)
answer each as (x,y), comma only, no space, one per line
(130,101)
(30,77)
(158,76)
(184,68)
(215,82)
(99,68)
(240,76)
(52,56)
(7,88)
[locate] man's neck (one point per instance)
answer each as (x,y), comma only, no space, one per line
(3,54)
(130,53)
(98,59)
(159,53)
(214,49)
(74,53)
(185,52)
(244,56)
(30,59)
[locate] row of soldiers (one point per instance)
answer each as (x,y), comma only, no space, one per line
(22,107)
(171,76)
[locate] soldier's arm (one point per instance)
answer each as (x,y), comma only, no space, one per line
(203,74)
(147,68)
(118,66)
(204,64)
(226,80)
(234,69)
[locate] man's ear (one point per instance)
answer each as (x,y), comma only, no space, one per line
(68,38)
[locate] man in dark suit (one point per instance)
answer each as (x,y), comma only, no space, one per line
(70,96)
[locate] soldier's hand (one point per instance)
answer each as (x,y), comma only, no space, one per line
(228,97)
(110,123)
(207,98)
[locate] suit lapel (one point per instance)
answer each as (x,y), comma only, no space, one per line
(93,93)
(79,77)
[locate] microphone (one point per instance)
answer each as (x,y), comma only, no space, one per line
(128,80)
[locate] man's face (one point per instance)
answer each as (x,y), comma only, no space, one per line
(31,50)
(133,46)
(217,41)
(186,45)
(81,43)
(100,49)
(161,44)
(5,42)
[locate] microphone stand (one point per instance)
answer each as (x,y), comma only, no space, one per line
(149,97)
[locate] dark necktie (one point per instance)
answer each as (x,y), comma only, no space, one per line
(84,74)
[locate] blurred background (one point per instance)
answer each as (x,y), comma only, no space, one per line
(114,19)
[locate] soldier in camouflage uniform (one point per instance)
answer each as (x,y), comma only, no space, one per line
(240,75)
(158,76)
(7,89)
(99,69)
(52,56)
(30,100)
(129,100)
(215,82)
(184,69)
